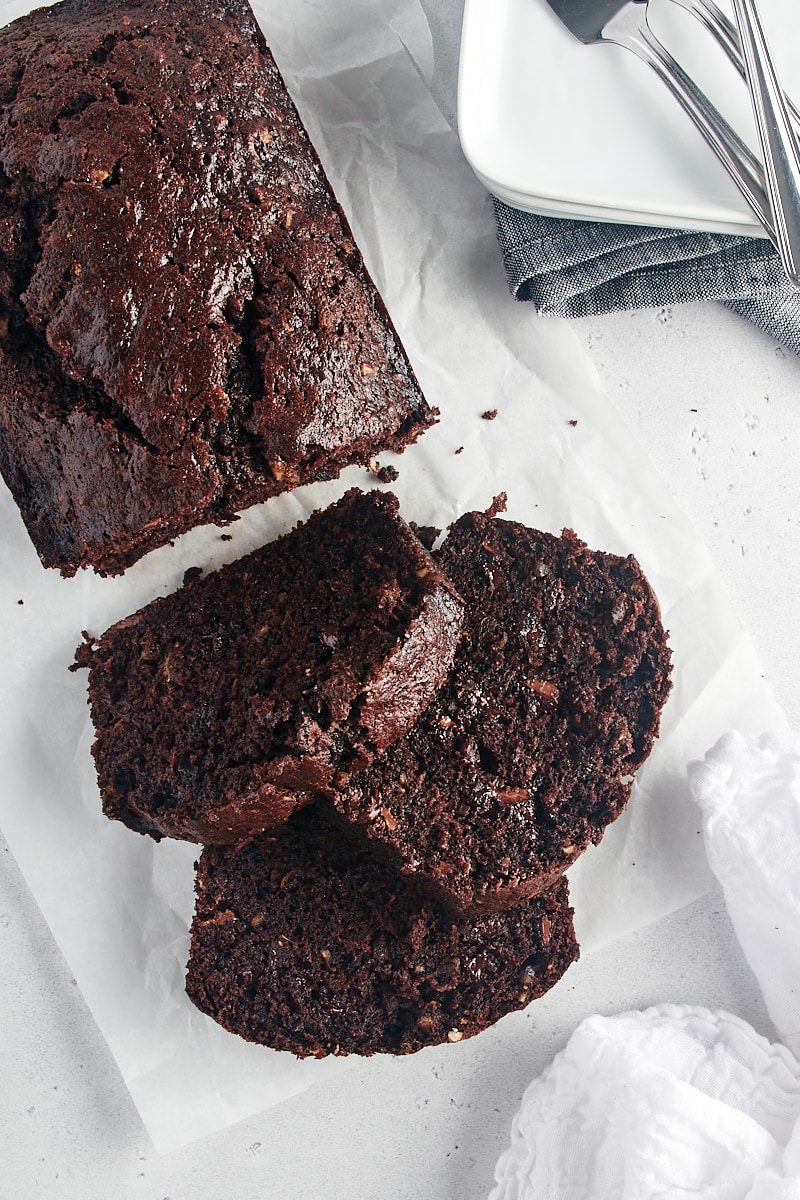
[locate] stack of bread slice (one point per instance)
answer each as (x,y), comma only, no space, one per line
(391,754)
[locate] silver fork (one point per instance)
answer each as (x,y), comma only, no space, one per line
(624,23)
(725,34)
(778,142)
(775,115)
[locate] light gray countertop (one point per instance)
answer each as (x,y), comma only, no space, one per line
(716,406)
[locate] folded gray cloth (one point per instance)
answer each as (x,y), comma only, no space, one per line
(568,268)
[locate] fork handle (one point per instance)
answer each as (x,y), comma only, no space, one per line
(741,164)
(781,160)
(726,35)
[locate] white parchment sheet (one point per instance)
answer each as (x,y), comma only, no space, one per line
(119,905)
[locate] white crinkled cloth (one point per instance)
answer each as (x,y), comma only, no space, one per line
(678,1102)
(749,792)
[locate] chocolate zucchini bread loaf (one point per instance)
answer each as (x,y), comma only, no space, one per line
(305,943)
(186,324)
(527,752)
(220,708)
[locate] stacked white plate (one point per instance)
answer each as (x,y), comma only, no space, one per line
(552,126)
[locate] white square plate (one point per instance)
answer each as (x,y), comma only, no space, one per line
(552,126)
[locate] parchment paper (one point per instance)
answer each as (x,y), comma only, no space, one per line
(118,905)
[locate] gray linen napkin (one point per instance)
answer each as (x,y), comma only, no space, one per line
(569,268)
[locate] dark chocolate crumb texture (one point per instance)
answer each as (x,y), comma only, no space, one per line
(528,750)
(220,708)
(186,324)
(305,943)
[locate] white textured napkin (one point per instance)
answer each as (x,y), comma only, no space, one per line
(567,268)
(671,1102)
(749,792)
(678,1101)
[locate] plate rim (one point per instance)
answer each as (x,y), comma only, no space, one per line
(673,216)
